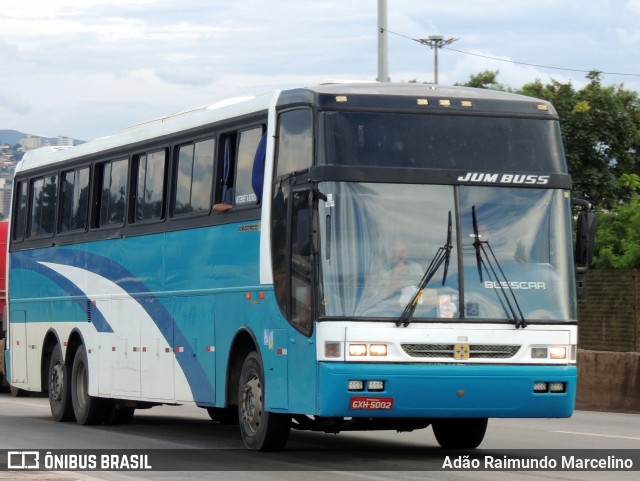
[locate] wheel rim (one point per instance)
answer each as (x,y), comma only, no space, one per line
(57,381)
(251,404)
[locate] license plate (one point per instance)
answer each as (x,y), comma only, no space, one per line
(371,403)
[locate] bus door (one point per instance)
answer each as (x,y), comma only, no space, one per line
(301,300)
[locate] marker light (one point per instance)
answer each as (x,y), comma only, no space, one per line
(540,386)
(375,385)
(355,385)
(378,349)
(357,349)
(332,349)
(558,352)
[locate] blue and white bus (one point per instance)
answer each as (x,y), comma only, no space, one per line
(341,257)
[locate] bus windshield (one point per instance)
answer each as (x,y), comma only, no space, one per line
(377,241)
(441,141)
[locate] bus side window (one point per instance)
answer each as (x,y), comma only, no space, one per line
(75,200)
(149,187)
(235,173)
(20,221)
(194,178)
(44,194)
(301,262)
(295,141)
(112,193)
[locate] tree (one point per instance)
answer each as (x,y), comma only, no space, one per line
(601,136)
(600,130)
(487,79)
(618,237)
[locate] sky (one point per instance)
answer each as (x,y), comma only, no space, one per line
(88,68)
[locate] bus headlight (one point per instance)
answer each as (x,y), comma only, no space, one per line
(357,349)
(361,350)
(558,352)
(378,349)
(549,352)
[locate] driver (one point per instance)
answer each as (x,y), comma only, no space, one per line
(400,272)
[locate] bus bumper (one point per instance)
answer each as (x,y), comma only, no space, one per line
(446,391)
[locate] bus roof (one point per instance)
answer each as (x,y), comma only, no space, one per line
(329,94)
(152,129)
(404,95)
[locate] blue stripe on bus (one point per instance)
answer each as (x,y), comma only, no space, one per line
(22,261)
(200,385)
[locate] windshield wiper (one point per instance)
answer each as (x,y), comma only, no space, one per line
(500,280)
(442,255)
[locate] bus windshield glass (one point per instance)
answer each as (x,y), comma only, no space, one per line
(378,240)
(441,141)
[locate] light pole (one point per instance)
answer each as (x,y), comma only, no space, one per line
(383,46)
(436,42)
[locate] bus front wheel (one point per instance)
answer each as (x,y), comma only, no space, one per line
(59,386)
(460,433)
(261,430)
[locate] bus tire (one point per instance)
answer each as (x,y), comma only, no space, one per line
(87,409)
(460,433)
(260,429)
(59,387)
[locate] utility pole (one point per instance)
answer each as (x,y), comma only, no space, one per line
(383,47)
(436,42)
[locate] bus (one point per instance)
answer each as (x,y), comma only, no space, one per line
(331,258)
(4,227)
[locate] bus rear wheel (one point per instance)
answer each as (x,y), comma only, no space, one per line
(460,433)
(87,409)
(59,386)
(261,430)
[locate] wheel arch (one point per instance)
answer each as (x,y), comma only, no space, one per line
(243,343)
(52,339)
(74,342)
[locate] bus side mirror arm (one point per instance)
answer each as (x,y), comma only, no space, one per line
(585,242)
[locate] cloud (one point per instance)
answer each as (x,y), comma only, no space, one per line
(14,104)
(90,67)
(633,6)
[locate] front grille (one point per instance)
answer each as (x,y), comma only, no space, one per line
(476,351)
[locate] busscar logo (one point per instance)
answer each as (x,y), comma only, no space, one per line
(492,178)
(526,285)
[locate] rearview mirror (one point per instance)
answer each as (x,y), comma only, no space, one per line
(585,241)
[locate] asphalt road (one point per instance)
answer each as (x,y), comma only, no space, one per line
(25,424)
